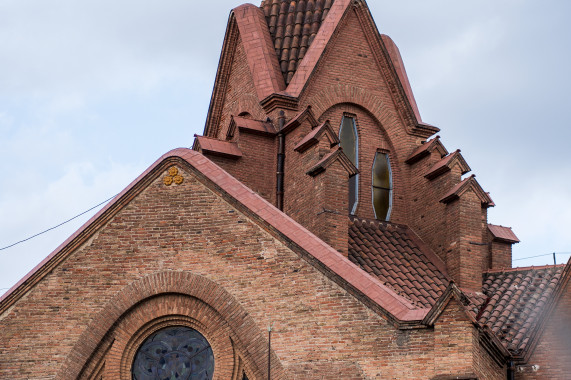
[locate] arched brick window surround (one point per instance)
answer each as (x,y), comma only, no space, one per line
(171,299)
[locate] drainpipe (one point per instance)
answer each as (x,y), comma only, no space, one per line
(511,370)
(280,163)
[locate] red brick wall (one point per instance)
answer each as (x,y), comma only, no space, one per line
(188,229)
(257,166)
(348,79)
(465,255)
(500,255)
(240,93)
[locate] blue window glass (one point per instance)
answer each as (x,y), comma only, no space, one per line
(349,143)
(382,186)
(179,353)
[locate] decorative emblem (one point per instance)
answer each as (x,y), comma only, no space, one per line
(173,176)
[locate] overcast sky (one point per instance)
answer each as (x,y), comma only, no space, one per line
(93,92)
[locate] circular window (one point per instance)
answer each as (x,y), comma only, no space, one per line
(179,353)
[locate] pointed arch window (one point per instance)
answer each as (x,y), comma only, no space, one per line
(382,186)
(350,144)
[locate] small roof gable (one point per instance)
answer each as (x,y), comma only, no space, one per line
(306,114)
(425,149)
(335,155)
(313,137)
(397,257)
(516,301)
(293,26)
(468,183)
(446,164)
(502,233)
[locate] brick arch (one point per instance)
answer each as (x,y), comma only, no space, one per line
(245,334)
(372,104)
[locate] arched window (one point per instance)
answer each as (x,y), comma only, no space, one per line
(382,186)
(178,353)
(350,144)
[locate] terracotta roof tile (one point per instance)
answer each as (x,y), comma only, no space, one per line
(393,254)
(293,25)
(515,301)
(503,233)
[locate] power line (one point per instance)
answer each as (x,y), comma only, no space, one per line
(59,225)
(547,254)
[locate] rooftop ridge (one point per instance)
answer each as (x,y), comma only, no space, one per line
(523,269)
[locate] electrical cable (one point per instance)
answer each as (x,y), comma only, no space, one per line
(59,225)
(547,254)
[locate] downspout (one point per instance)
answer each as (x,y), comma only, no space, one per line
(511,370)
(280,163)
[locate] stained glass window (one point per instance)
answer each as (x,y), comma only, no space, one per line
(179,353)
(382,186)
(350,145)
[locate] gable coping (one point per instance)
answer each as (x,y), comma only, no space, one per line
(369,290)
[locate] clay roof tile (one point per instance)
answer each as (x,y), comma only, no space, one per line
(298,19)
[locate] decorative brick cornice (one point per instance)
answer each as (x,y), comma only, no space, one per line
(280,101)
(229,46)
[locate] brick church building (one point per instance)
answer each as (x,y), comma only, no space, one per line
(316,202)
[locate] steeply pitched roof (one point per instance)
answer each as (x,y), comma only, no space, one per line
(381,297)
(293,26)
(516,300)
(398,258)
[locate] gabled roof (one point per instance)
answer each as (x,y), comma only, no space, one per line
(293,25)
(517,299)
(467,184)
(379,297)
(306,114)
(425,149)
(313,137)
(395,255)
(335,155)
(446,164)
(502,233)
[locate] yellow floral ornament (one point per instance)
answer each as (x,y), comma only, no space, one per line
(173,171)
(173,176)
